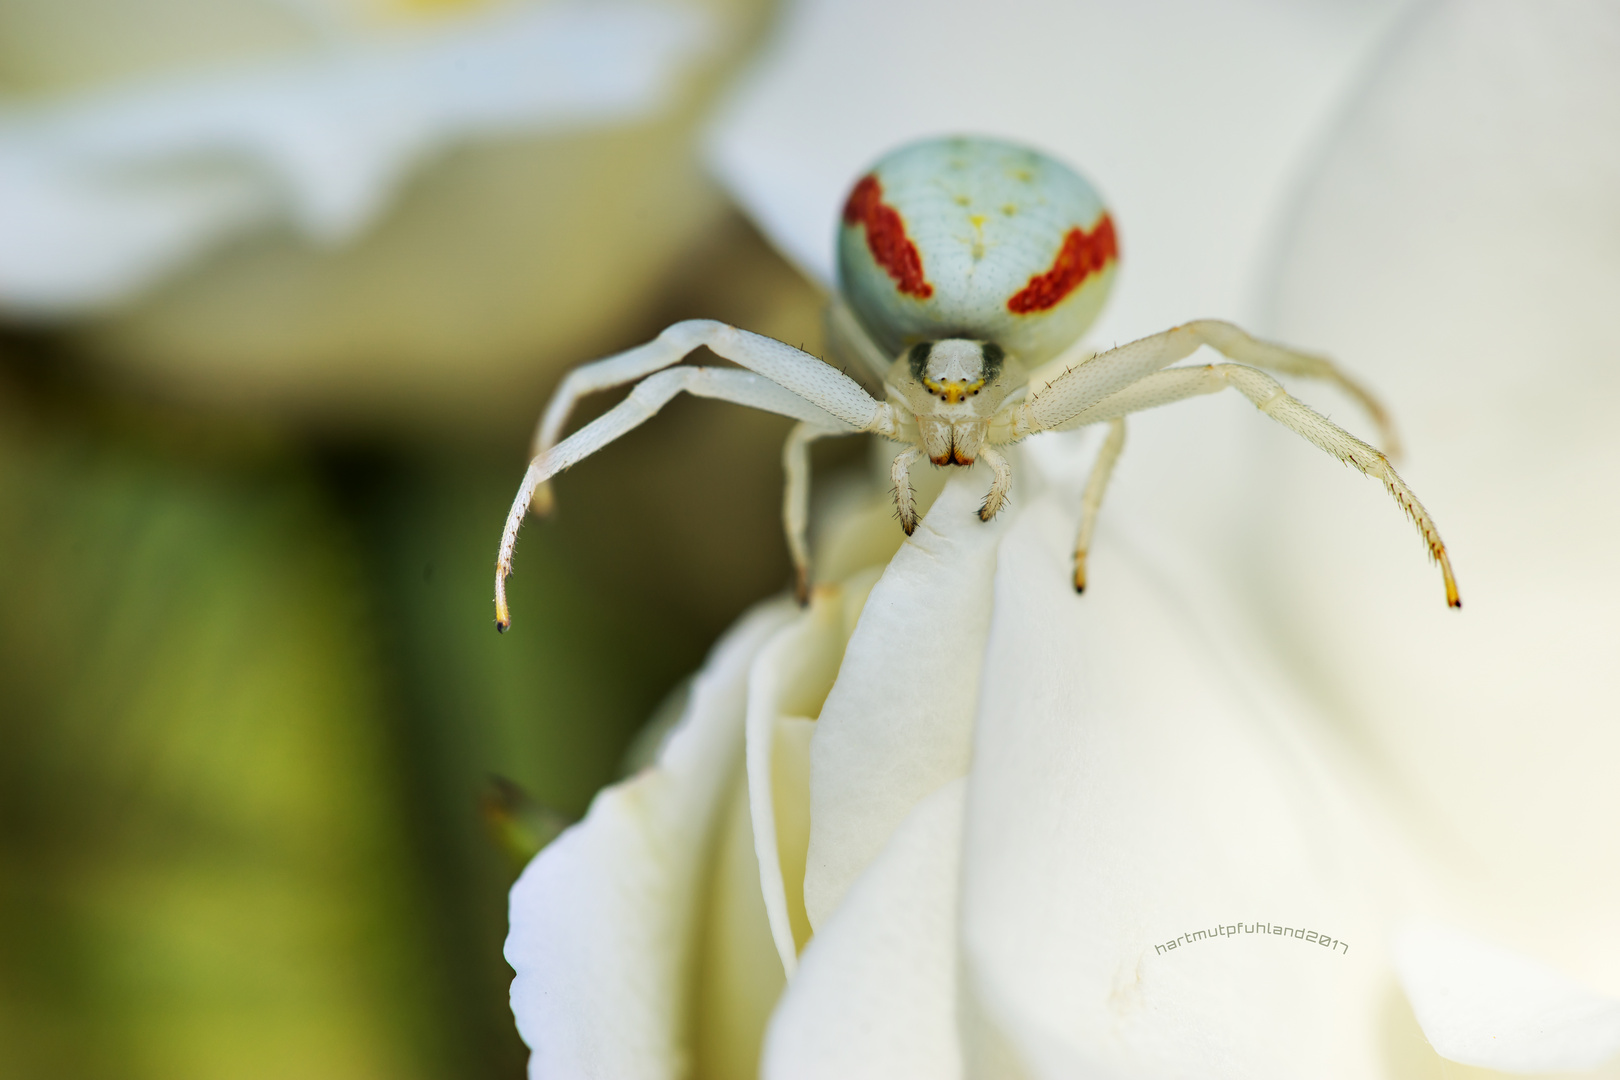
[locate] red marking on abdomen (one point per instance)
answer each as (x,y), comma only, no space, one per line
(886,237)
(1083,254)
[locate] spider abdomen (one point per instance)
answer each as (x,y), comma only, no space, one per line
(975,238)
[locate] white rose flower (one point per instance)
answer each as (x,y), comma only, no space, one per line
(980,826)
(1229,814)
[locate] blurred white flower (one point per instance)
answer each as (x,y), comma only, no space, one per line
(104,193)
(1191,118)
(970,824)
(1460,245)
(338,206)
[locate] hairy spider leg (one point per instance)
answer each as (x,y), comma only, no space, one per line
(1052,406)
(1091,500)
(796,499)
(648,396)
(905,496)
(1236,344)
(1269,397)
(783,364)
(1000,486)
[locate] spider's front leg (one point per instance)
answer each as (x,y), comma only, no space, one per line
(796,500)
(1131,379)
(1056,405)
(1091,500)
(1000,485)
(780,379)
(905,496)
(836,392)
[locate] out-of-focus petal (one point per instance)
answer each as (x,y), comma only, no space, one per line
(604,921)
(1143,814)
(899,721)
(876,993)
(739,975)
(788,683)
(1480,1004)
(1460,247)
(100,196)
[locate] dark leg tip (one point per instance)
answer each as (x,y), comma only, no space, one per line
(502,626)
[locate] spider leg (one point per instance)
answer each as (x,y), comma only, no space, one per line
(905,497)
(1270,398)
(1091,501)
(798,371)
(1237,344)
(796,499)
(1055,404)
(649,395)
(996,498)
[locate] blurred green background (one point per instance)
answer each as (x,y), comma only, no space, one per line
(252,703)
(253,699)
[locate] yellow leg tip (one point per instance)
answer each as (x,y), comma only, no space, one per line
(1452,598)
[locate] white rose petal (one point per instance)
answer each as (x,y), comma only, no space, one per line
(604,922)
(876,995)
(739,976)
(898,723)
(1461,248)
(786,687)
(1133,784)
(1480,1004)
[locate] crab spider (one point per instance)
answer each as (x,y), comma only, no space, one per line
(964,266)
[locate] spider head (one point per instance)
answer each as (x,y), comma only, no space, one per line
(954,370)
(957,378)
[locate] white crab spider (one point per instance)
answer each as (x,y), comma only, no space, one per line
(963,263)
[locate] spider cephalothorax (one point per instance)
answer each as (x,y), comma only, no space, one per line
(964,265)
(953,387)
